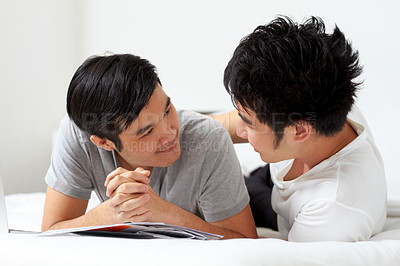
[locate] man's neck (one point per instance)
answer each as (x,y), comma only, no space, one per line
(320,149)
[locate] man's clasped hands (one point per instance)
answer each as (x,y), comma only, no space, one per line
(132,198)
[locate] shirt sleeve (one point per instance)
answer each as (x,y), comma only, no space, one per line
(224,193)
(330,221)
(68,171)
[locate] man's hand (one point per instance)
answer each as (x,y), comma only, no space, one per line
(128,194)
(160,208)
(135,180)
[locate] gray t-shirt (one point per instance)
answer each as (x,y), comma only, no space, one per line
(206,180)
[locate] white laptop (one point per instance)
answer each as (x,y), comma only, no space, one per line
(3,211)
(3,214)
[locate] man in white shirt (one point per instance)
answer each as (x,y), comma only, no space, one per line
(293,87)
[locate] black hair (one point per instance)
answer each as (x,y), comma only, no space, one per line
(107,93)
(286,72)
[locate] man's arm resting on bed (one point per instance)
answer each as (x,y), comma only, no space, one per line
(230,121)
(62,211)
(240,225)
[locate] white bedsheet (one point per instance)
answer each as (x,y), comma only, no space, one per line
(25,212)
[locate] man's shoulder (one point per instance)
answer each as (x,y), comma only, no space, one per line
(357,116)
(198,125)
(71,134)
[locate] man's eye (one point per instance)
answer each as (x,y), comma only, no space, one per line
(167,112)
(147,133)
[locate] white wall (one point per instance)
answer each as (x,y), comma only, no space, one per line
(190,42)
(38,46)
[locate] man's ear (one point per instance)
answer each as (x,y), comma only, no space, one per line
(302,131)
(105,144)
(299,132)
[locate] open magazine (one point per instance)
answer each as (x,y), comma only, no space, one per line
(142,230)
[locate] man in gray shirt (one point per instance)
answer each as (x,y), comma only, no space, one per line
(124,139)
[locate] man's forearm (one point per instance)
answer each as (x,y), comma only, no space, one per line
(97,216)
(230,121)
(178,216)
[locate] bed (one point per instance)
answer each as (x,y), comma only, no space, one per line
(25,213)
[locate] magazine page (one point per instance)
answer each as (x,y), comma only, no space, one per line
(142,230)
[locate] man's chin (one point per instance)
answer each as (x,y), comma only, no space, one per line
(172,158)
(265,159)
(270,160)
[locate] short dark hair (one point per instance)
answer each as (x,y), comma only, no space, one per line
(286,72)
(107,93)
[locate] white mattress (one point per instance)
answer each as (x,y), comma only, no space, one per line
(25,212)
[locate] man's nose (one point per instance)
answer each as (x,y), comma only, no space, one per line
(169,134)
(241,130)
